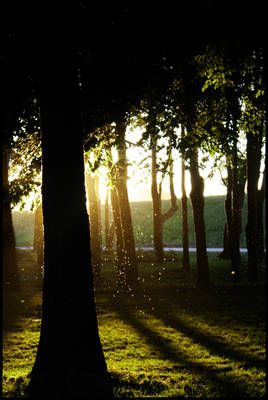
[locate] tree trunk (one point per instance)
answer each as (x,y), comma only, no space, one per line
(95,233)
(109,228)
(226,253)
(184,210)
(261,197)
(239,181)
(158,217)
(69,360)
(10,265)
(39,235)
(254,144)
(157,213)
(120,253)
(125,212)
(197,199)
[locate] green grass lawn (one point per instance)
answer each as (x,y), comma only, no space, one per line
(142,224)
(171,340)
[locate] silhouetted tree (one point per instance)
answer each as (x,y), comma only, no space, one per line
(9,258)
(69,360)
(39,235)
(184,210)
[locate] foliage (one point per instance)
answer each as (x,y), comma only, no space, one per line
(25,157)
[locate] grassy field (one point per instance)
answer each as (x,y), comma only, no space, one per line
(142,224)
(171,340)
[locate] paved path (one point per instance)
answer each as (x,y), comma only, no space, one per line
(192,249)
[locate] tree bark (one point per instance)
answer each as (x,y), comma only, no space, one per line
(109,227)
(197,199)
(125,212)
(254,144)
(69,360)
(10,265)
(95,232)
(39,235)
(184,210)
(156,190)
(157,212)
(261,197)
(120,253)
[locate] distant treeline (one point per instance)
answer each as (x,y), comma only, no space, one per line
(142,224)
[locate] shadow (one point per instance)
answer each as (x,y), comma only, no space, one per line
(18,305)
(232,387)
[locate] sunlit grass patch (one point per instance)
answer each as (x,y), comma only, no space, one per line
(169,340)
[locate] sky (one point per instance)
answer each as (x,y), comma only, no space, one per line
(139,182)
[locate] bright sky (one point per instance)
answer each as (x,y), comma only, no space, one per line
(139,178)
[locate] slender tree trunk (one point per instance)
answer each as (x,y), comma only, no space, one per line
(157,212)
(125,212)
(254,143)
(226,253)
(184,210)
(197,199)
(120,253)
(261,197)
(95,234)
(10,265)
(156,190)
(109,228)
(39,235)
(69,360)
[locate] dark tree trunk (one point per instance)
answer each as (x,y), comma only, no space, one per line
(261,197)
(197,199)
(120,253)
(227,252)
(39,236)
(254,143)
(69,360)
(157,212)
(156,190)
(95,233)
(10,265)
(125,212)
(109,227)
(184,210)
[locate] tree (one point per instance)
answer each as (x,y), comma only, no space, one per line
(158,217)
(109,227)
(197,199)
(69,360)
(186,259)
(95,229)
(124,210)
(39,235)
(9,259)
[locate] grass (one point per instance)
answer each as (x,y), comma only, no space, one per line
(142,224)
(172,340)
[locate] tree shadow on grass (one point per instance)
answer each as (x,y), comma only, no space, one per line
(216,345)
(213,374)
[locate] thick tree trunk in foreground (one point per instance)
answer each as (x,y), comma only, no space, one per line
(184,210)
(10,265)
(197,199)
(69,360)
